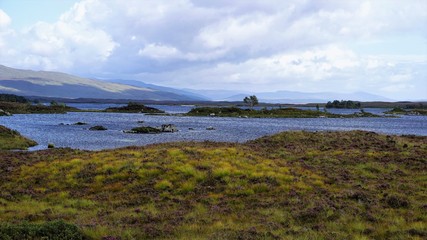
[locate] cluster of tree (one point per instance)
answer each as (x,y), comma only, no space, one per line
(416,106)
(54,103)
(12,98)
(343,104)
(251,100)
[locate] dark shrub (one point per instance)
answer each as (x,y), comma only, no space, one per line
(55,230)
(395,201)
(145,130)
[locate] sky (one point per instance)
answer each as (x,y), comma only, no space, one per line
(375,46)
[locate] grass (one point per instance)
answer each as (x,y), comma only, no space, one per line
(25,108)
(10,139)
(401,111)
(269,113)
(145,130)
(293,185)
(134,107)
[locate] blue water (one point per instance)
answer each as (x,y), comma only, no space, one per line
(46,128)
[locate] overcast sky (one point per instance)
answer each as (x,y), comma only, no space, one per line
(376,46)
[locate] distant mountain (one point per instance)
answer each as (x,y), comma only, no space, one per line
(61,85)
(290,96)
(136,83)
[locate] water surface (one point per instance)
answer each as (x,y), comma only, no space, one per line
(47,128)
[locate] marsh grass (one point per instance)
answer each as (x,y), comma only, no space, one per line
(11,139)
(293,185)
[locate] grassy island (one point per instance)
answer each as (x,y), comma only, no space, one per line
(401,111)
(133,107)
(292,185)
(11,139)
(269,113)
(25,108)
(13,104)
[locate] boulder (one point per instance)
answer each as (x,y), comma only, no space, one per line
(169,128)
(4,113)
(98,128)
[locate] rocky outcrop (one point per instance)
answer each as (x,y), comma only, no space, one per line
(98,128)
(148,130)
(144,130)
(169,128)
(4,113)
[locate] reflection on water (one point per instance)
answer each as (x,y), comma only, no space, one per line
(46,128)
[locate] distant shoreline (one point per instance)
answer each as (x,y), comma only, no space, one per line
(365,104)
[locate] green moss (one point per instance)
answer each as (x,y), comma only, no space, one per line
(163,185)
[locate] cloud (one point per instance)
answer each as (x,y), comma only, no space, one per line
(4,19)
(64,45)
(159,51)
(268,44)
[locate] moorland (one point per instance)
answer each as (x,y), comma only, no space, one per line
(292,185)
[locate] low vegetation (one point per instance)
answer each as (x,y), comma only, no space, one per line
(25,108)
(293,185)
(11,139)
(401,111)
(55,230)
(343,104)
(144,130)
(134,107)
(269,113)
(12,98)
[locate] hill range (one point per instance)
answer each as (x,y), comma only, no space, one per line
(48,84)
(61,85)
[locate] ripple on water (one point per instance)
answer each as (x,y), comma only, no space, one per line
(46,128)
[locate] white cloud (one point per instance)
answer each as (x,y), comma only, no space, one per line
(398,78)
(395,88)
(238,44)
(159,51)
(4,19)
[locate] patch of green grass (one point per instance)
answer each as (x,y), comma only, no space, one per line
(11,139)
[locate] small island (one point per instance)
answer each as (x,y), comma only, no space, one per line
(412,112)
(13,104)
(343,104)
(270,113)
(153,130)
(134,107)
(98,128)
